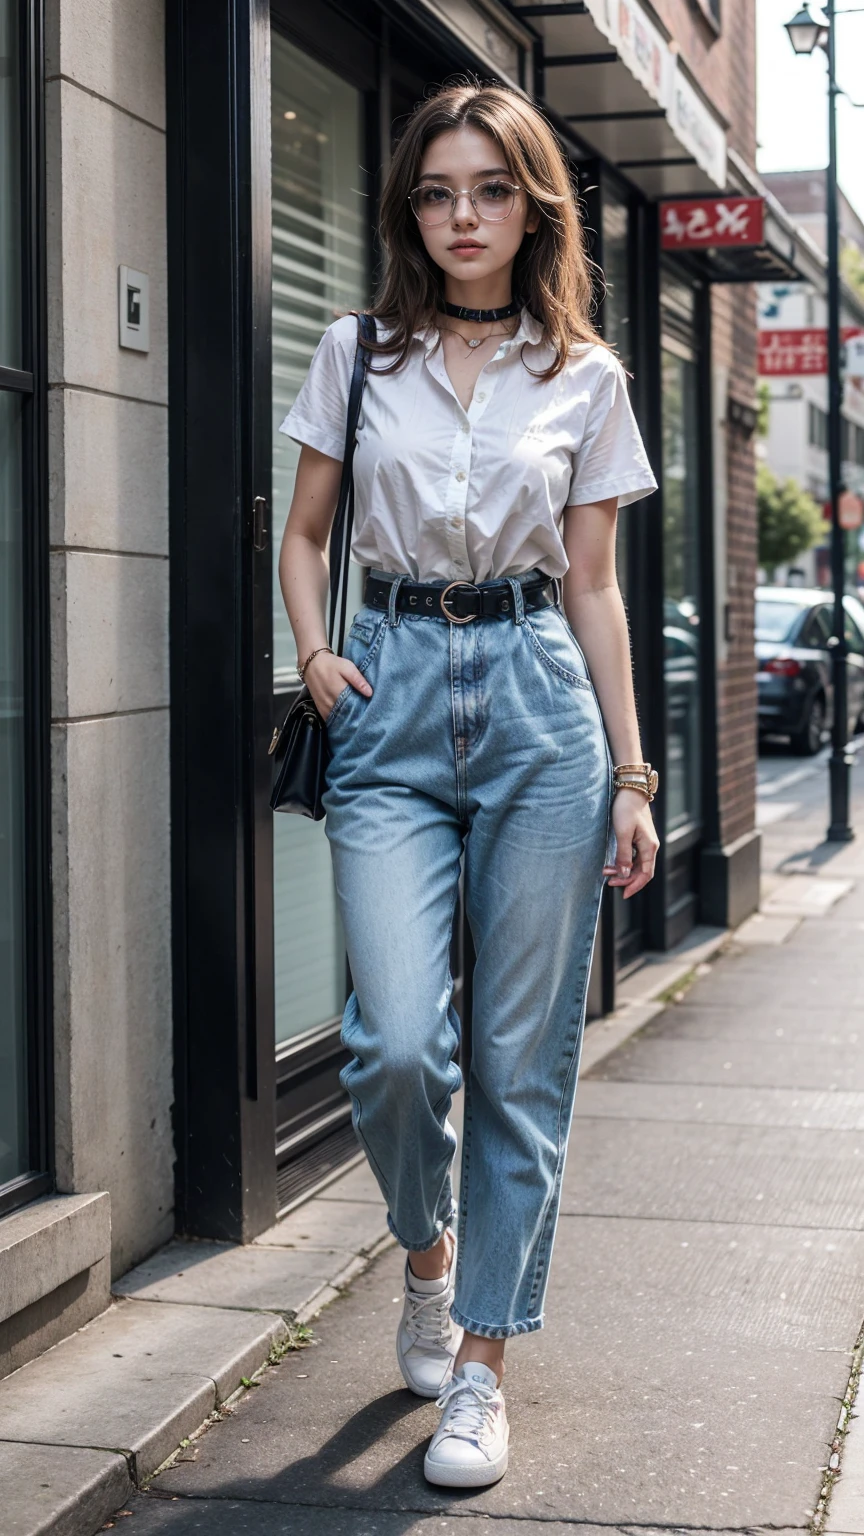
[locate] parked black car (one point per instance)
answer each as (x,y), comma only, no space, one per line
(793,655)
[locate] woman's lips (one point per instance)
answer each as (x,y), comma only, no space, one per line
(466,250)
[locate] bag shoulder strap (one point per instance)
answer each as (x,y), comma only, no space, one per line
(343,521)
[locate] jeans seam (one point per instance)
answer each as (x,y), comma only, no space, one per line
(554,666)
(543,1245)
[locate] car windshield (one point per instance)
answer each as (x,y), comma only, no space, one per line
(774,621)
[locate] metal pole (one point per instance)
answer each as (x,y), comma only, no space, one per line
(840,766)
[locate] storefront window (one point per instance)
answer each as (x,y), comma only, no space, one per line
(319,272)
(617,329)
(10,187)
(14,1128)
(681,608)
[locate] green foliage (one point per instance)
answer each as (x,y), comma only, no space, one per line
(852,268)
(790,521)
(763,397)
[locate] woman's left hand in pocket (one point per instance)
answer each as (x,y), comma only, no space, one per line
(637,842)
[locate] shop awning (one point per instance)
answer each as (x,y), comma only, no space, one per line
(610,71)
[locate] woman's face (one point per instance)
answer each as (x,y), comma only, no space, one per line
(466,245)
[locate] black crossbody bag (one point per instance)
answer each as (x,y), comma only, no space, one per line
(300,743)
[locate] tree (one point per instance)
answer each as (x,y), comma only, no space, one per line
(790,521)
(852,267)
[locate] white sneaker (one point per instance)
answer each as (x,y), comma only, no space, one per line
(469,1448)
(428,1339)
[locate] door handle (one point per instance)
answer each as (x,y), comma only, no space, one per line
(259,532)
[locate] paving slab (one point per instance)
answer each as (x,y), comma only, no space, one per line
(137,1379)
(648,1412)
(357,1226)
(358,1185)
(711,1104)
(842,1027)
(804,896)
(234,1517)
(846,1505)
(273,1279)
(754,976)
(764,1174)
(753,1064)
(58,1490)
(762,929)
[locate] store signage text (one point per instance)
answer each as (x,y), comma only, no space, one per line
(698,223)
(786,354)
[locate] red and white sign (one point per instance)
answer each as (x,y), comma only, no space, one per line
(697,223)
(786,354)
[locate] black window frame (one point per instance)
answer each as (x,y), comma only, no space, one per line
(29,383)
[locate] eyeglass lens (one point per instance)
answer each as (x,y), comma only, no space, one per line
(435,204)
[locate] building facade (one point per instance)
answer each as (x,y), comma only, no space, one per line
(793,367)
(187,197)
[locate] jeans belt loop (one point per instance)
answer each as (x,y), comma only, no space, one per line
(515,586)
(393,617)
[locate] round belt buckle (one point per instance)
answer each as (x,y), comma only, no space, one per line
(451,616)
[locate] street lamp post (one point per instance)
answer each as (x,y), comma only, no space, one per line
(805,34)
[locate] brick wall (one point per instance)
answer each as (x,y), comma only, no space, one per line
(734,319)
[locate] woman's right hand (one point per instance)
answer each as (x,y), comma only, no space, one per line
(327,675)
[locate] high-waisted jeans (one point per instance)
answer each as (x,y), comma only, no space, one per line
(486,737)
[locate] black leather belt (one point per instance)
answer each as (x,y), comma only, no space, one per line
(461,601)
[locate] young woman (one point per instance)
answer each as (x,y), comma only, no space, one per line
(471,712)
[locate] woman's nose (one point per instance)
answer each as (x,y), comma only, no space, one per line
(464,211)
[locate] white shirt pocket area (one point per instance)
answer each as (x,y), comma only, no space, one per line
(445,493)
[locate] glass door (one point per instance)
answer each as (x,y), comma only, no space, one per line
(682,606)
(625,917)
(320,270)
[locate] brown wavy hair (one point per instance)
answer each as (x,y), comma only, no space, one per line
(552,270)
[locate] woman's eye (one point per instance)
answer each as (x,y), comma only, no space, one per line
(432,195)
(495,191)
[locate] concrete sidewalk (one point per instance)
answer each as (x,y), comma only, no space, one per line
(706,1296)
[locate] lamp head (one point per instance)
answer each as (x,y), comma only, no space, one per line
(804,32)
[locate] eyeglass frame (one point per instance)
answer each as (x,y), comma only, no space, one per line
(464,192)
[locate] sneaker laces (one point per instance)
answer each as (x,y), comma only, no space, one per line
(428,1317)
(468,1409)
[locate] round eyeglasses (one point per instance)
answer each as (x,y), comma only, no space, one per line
(492,201)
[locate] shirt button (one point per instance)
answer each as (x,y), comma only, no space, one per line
(465,427)
(461,475)
(481,395)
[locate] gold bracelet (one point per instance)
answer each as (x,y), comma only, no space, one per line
(311,657)
(639,776)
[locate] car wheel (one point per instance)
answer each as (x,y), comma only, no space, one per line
(808,740)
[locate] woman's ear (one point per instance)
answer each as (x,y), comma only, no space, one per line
(532,223)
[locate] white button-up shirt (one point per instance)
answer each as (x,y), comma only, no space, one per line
(442,493)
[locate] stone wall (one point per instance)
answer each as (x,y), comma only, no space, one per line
(108,462)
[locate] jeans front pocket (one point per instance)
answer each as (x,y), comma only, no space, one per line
(361,647)
(557,647)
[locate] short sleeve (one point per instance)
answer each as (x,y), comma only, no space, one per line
(611,458)
(318,415)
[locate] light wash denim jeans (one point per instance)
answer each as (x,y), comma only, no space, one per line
(486,736)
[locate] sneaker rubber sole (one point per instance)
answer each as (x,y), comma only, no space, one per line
(466,1477)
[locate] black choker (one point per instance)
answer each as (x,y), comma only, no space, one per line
(480,316)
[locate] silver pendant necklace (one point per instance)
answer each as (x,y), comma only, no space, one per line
(472,342)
